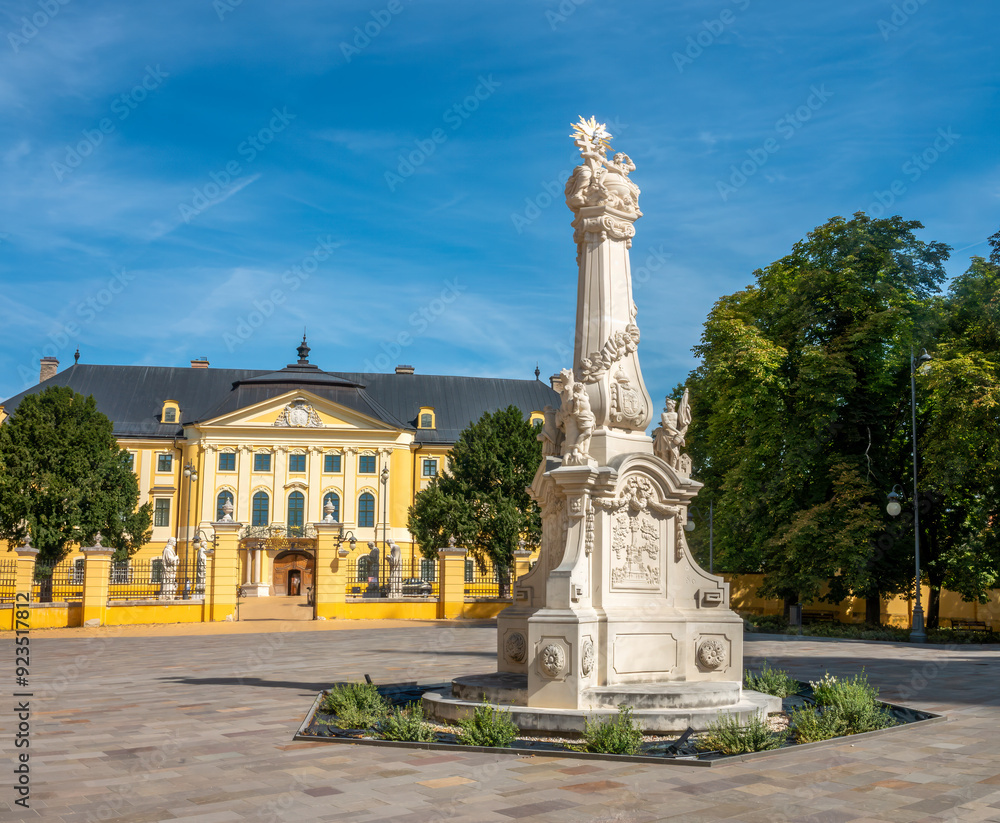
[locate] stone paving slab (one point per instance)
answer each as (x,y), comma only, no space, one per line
(198,729)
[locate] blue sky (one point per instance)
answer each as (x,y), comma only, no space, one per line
(164,167)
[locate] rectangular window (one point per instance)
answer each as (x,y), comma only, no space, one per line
(156,571)
(366,464)
(430,468)
(164,462)
(331,463)
(77,570)
(296,462)
(470,571)
(262,462)
(161,512)
(130,460)
(227,461)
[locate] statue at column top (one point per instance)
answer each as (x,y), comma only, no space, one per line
(599,181)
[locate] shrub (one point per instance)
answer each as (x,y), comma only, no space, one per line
(728,736)
(772,681)
(406,724)
(356,705)
(488,726)
(613,735)
(769,623)
(848,706)
(810,724)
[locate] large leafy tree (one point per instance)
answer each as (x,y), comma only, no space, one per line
(482,499)
(959,441)
(801,409)
(63,479)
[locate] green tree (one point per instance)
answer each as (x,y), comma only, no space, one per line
(801,409)
(959,442)
(63,479)
(482,500)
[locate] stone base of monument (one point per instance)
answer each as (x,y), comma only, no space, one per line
(656,707)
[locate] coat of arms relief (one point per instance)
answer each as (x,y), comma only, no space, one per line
(300,415)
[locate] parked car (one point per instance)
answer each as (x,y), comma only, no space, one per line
(416,586)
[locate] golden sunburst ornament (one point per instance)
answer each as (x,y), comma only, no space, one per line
(592,132)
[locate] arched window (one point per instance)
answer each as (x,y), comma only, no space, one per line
(366,510)
(261,509)
(296,509)
(363,563)
(332,497)
(220,501)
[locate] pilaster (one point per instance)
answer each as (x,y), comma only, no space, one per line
(225,570)
(330,585)
(96,581)
(26,557)
(451,574)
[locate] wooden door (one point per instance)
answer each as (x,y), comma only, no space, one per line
(294,582)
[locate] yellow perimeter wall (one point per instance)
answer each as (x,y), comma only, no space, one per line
(896,612)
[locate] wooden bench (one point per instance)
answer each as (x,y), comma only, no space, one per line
(970,625)
(819,617)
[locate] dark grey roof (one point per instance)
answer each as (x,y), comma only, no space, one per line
(132,396)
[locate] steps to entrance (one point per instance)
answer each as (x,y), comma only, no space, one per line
(275,608)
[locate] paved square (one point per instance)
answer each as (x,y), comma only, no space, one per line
(199,729)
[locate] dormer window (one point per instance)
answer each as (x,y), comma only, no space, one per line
(537,419)
(171,412)
(426,418)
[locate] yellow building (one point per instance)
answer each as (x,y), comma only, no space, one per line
(282,447)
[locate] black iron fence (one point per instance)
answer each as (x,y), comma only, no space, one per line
(366,580)
(486,581)
(8,579)
(61,583)
(151,580)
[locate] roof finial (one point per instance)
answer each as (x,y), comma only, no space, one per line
(538,371)
(303,351)
(76,356)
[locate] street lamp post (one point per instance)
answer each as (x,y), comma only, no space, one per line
(191,473)
(917,633)
(384,476)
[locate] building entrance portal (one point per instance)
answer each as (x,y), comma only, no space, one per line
(293,574)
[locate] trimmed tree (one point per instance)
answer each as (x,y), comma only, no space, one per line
(63,479)
(482,500)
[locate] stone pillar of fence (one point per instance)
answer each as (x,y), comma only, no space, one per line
(330,583)
(451,574)
(225,570)
(96,581)
(25,572)
(522,561)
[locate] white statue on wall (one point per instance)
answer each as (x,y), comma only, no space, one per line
(168,586)
(670,436)
(395,570)
(199,585)
(576,420)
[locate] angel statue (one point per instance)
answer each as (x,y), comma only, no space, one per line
(669,436)
(576,419)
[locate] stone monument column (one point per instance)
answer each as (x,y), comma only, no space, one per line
(616,610)
(605,205)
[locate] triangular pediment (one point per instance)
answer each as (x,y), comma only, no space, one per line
(297,410)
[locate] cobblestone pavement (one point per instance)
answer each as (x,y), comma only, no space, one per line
(199,729)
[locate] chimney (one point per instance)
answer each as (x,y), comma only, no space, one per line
(555,382)
(50,365)
(200,363)
(404,370)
